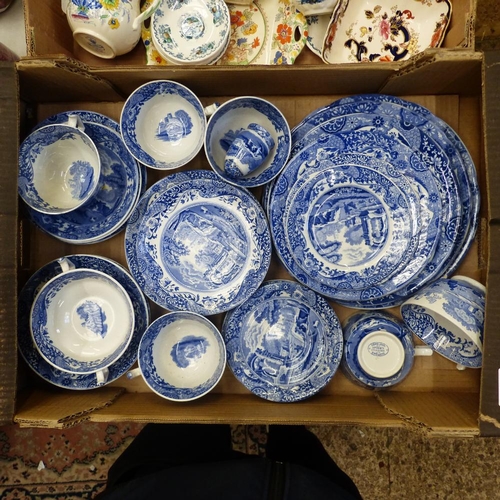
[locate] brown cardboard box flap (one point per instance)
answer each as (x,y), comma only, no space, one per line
(49,408)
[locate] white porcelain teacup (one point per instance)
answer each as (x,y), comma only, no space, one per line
(82,321)
(59,167)
(107,28)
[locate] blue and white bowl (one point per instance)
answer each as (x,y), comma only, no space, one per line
(59,169)
(181,356)
(163,124)
(378,350)
(445,318)
(109,208)
(82,320)
(236,115)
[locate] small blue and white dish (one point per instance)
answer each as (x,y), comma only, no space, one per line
(163,124)
(86,117)
(235,116)
(59,169)
(378,350)
(82,320)
(31,354)
(284,343)
(446,320)
(107,211)
(182,356)
(202,246)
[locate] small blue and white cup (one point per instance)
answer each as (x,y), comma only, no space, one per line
(59,167)
(378,350)
(181,357)
(248,151)
(82,321)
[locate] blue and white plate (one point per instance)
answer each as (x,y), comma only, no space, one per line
(378,350)
(202,246)
(416,126)
(116,196)
(284,343)
(85,116)
(350,224)
(25,340)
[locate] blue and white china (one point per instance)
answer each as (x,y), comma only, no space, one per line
(30,353)
(82,320)
(248,151)
(193,32)
(106,29)
(316,7)
(444,318)
(59,169)
(86,117)
(316,31)
(416,126)
(163,124)
(236,115)
(350,224)
(284,343)
(202,246)
(116,196)
(378,350)
(181,356)
(468,288)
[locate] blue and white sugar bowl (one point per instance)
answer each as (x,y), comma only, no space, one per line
(182,356)
(378,351)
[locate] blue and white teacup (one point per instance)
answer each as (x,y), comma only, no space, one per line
(82,321)
(378,350)
(182,356)
(59,167)
(248,151)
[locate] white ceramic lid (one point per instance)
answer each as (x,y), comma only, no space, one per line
(381,354)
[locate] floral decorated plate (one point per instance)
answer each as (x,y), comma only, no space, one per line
(316,30)
(25,341)
(284,343)
(373,31)
(108,210)
(202,246)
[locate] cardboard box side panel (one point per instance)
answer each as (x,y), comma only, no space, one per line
(9,112)
(461,29)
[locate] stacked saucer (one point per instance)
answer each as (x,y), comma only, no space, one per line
(378,199)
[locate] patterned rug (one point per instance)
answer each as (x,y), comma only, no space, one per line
(53,464)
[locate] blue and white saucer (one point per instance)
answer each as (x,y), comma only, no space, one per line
(202,246)
(284,343)
(85,116)
(378,350)
(117,194)
(25,341)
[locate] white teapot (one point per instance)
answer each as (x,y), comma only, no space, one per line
(106,28)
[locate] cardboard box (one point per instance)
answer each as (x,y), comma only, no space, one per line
(48,34)
(436,397)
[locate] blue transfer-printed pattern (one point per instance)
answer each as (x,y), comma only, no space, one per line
(81,179)
(27,348)
(86,117)
(416,123)
(461,351)
(133,107)
(189,350)
(108,210)
(174,127)
(155,276)
(280,130)
(41,335)
(156,381)
(284,343)
(93,318)
(356,328)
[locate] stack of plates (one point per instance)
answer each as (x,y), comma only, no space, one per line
(196,243)
(379,198)
(120,185)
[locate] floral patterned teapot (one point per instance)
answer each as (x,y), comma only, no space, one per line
(106,28)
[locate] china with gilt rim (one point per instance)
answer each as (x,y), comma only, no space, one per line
(369,31)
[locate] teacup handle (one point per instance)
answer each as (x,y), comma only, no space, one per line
(64,5)
(134,373)
(102,376)
(423,350)
(76,122)
(210,110)
(66,264)
(145,15)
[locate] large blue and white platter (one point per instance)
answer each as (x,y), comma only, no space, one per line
(416,126)
(202,246)
(107,211)
(284,343)
(25,341)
